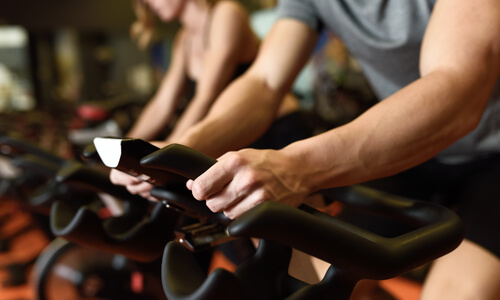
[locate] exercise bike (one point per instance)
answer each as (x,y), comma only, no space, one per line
(68,268)
(354,253)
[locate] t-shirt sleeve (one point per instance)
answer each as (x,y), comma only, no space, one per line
(301,10)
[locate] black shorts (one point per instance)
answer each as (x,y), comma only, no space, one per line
(284,131)
(471,189)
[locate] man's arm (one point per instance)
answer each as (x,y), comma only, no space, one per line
(460,64)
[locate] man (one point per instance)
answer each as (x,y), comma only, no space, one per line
(435,65)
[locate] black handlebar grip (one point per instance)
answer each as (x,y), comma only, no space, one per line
(36,165)
(179,159)
(189,163)
(90,153)
(93,179)
(11,147)
(125,154)
(159,166)
(353,248)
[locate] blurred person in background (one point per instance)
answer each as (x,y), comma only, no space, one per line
(214,45)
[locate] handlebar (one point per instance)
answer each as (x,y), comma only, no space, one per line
(165,168)
(350,247)
(189,163)
(125,154)
(355,253)
(180,160)
(137,233)
(11,147)
(93,179)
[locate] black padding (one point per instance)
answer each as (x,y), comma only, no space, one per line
(179,159)
(180,197)
(40,200)
(90,153)
(335,282)
(349,247)
(15,147)
(141,240)
(68,222)
(265,275)
(183,279)
(36,165)
(93,179)
(189,163)
(132,151)
(355,253)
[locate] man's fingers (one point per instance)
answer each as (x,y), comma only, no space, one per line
(223,200)
(189,184)
(257,197)
(214,179)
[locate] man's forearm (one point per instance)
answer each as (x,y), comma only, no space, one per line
(194,112)
(402,131)
(242,113)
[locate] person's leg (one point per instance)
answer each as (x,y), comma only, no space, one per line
(370,290)
(311,270)
(472,271)
(469,272)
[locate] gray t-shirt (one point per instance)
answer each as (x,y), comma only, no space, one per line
(385,38)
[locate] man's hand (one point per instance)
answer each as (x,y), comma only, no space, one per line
(241,180)
(134,185)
